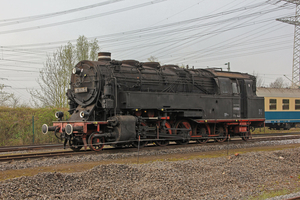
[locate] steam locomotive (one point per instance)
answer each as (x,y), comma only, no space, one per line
(128,102)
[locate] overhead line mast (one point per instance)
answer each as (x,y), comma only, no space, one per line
(295,20)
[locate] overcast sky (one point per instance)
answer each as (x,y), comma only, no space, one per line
(199,33)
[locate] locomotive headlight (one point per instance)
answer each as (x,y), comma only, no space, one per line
(84,114)
(77,71)
(59,114)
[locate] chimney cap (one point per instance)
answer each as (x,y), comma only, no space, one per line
(104,56)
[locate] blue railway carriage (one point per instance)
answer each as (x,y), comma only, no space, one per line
(282,107)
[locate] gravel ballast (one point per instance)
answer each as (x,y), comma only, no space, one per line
(230,177)
(104,156)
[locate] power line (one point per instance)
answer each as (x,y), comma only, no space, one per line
(238,54)
(82,18)
(227,44)
(6,22)
(22,61)
(19,70)
(198,36)
(139,31)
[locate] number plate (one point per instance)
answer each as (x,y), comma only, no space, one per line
(81,90)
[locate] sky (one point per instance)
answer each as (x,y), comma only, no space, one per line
(199,33)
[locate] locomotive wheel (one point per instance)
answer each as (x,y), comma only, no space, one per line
(222,135)
(183,124)
(75,144)
(94,142)
(201,131)
(245,136)
(164,142)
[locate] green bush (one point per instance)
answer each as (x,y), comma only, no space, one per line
(16,127)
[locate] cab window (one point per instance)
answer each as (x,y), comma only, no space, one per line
(225,85)
(235,88)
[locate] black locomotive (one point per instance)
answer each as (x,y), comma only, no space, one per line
(133,103)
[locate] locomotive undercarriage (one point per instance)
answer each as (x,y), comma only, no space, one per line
(143,129)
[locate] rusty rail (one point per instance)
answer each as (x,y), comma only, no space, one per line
(38,155)
(29,147)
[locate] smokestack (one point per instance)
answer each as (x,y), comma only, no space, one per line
(104,56)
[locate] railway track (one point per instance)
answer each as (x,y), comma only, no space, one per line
(275,134)
(35,155)
(60,146)
(25,156)
(29,147)
(294,198)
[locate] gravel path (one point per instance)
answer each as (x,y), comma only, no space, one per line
(234,177)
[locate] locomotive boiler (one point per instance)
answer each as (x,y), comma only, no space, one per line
(134,103)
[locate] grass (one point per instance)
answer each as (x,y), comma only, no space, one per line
(267,130)
(269,194)
(17,128)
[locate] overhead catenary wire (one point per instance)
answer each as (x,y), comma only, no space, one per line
(238,41)
(197,37)
(162,38)
(241,54)
(139,31)
(219,46)
(82,18)
(171,40)
(260,4)
(246,43)
(169,47)
(11,21)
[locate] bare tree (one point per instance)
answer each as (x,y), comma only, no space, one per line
(5,97)
(54,78)
(260,82)
(152,59)
(15,102)
(279,83)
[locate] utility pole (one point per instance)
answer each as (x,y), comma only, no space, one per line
(295,20)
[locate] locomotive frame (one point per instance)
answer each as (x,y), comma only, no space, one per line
(132,103)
